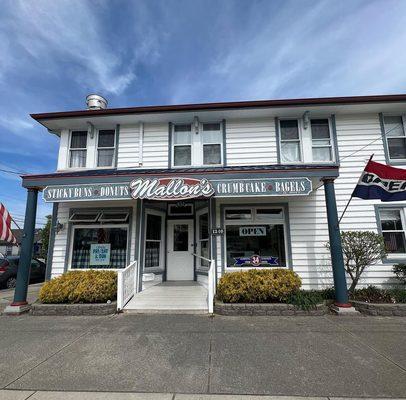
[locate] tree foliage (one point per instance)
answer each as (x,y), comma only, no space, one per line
(45,237)
(360,250)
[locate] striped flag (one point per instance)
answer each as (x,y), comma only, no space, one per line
(5,226)
(383,182)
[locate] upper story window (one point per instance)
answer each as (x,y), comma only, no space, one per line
(321,140)
(199,147)
(105,148)
(78,149)
(395,137)
(313,144)
(290,141)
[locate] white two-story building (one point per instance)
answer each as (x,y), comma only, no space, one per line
(182,188)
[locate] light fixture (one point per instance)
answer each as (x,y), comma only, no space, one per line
(58,227)
(306,119)
(196,124)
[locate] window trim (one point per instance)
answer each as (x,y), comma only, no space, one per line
(162,248)
(171,214)
(200,212)
(253,221)
(300,139)
(391,161)
(391,258)
(331,146)
(97,148)
(96,226)
(306,141)
(85,213)
(70,150)
(197,145)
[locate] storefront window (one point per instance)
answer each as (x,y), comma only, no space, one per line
(259,243)
(153,241)
(99,247)
(204,238)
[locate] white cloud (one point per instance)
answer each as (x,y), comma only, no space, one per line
(68,38)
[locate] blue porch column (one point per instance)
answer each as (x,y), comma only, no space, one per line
(24,265)
(337,260)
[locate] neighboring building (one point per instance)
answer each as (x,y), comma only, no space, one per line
(8,249)
(266,162)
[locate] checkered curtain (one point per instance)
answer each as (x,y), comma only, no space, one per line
(81,259)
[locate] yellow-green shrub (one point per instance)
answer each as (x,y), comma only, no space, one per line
(90,286)
(258,286)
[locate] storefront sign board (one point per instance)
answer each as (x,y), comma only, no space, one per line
(179,188)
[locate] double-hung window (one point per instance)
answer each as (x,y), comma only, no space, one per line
(197,146)
(395,137)
(321,140)
(182,145)
(307,141)
(290,141)
(154,235)
(212,142)
(78,149)
(105,148)
(393,230)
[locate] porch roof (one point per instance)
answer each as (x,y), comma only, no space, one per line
(118,175)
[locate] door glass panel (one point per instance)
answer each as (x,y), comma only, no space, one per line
(180,237)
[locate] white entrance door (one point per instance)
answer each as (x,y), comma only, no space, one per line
(180,249)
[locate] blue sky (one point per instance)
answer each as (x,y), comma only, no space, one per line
(53,53)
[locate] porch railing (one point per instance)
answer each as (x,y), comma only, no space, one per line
(211,282)
(127,284)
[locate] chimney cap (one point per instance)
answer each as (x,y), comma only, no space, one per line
(96,102)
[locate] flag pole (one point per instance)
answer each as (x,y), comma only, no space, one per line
(349,201)
(15,223)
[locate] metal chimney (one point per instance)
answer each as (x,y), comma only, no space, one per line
(96,102)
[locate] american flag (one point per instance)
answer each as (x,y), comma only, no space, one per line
(5,226)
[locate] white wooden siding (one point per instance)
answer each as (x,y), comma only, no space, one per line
(251,142)
(156,144)
(307,215)
(128,147)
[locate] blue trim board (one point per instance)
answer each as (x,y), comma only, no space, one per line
(169,144)
(116,145)
(335,139)
(385,145)
(51,243)
(277,138)
(223,126)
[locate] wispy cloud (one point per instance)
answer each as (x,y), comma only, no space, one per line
(48,33)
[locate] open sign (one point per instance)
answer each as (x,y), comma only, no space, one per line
(253,231)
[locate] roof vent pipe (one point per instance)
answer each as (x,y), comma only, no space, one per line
(96,102)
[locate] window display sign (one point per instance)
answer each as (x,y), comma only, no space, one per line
(100,254)
(256,260)
(253,231)
(179,188)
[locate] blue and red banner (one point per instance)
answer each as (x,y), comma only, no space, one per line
(379,181)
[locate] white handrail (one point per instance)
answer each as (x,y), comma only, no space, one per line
(211,285)
(127,284)
(211,282)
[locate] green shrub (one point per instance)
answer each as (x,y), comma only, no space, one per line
(306,299)
(372,294)
(258,286)
(400,272)
(90,286)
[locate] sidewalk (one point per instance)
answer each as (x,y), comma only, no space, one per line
(7,296)
(25,395)
(279,356)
